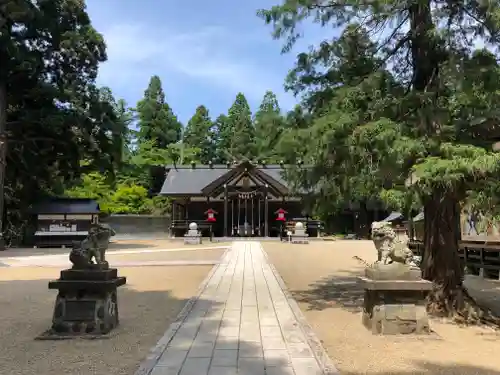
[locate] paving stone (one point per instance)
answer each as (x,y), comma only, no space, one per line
(220,370)
(225,357)
(251,366)
(232,331)
(280,370)
(195,366)
(172,358)
(273,343)
(277,358)
(306,366)
(251,349)
(241,325)
(227,343)
(160,370)
(201,349)
(271,331)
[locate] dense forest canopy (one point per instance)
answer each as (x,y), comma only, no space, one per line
(399,106)
(404,107)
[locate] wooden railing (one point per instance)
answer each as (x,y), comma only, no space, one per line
(479,257)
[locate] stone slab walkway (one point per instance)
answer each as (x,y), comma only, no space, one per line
(241,323)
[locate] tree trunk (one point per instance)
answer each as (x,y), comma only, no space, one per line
(3,154)
(441,263)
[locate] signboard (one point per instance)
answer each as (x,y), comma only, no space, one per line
(62,227)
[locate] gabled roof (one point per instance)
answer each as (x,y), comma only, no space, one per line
(205,179)
(246,169)
(66,206)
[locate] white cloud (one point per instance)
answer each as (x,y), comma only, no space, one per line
(208,54)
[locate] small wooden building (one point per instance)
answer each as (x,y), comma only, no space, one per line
(60,221)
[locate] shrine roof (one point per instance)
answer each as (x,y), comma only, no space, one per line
(66,206)
(191,180)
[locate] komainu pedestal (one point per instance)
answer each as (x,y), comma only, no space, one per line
(395,306)
(87,301)
(394,291)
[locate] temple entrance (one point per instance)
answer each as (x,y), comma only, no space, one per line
(247,214)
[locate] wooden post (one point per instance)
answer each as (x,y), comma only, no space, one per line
(172,220)
(225,211)
(266,224)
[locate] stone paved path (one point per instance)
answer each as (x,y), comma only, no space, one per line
(241,324)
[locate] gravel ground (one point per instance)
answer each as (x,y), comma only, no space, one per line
(322,275)
(148,304)
(115,245)
(208,254)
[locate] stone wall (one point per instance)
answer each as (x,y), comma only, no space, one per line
(138,224)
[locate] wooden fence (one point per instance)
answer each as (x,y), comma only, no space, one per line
(479,257)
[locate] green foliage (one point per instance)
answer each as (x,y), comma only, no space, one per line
(269,124)
(157,122)
(199,134)
(123,198)
(128,200)
(242,141)
(55,116)
(404,109)
(223,135)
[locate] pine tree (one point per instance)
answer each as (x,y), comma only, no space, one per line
(242,144)
(157,122)
(198,134)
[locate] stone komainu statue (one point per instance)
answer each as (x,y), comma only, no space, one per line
(390,247)
(91,252)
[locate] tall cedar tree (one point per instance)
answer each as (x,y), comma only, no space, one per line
(427,133)
(241,130)
(293,142)
(222,138)
(198,134)
(269,125)
(120,131)
(49,106)
(157,122)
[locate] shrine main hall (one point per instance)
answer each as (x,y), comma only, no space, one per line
(233,200)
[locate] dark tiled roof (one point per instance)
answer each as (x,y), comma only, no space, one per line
(276,173)
(190,181)
(66,206)
(394,216)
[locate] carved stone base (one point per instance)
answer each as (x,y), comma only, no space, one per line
(296,238)
(395,306)
(86,305)
(192,240)
(393,271)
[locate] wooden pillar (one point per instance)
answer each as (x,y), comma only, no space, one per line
(225,211)
(266,224)
(172,220)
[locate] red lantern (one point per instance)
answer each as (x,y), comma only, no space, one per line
(211,215)
(281,215)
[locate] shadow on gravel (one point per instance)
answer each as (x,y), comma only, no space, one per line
(426,368)
(333,292)
(145,315)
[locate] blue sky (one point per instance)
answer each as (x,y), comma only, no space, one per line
(204,51)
